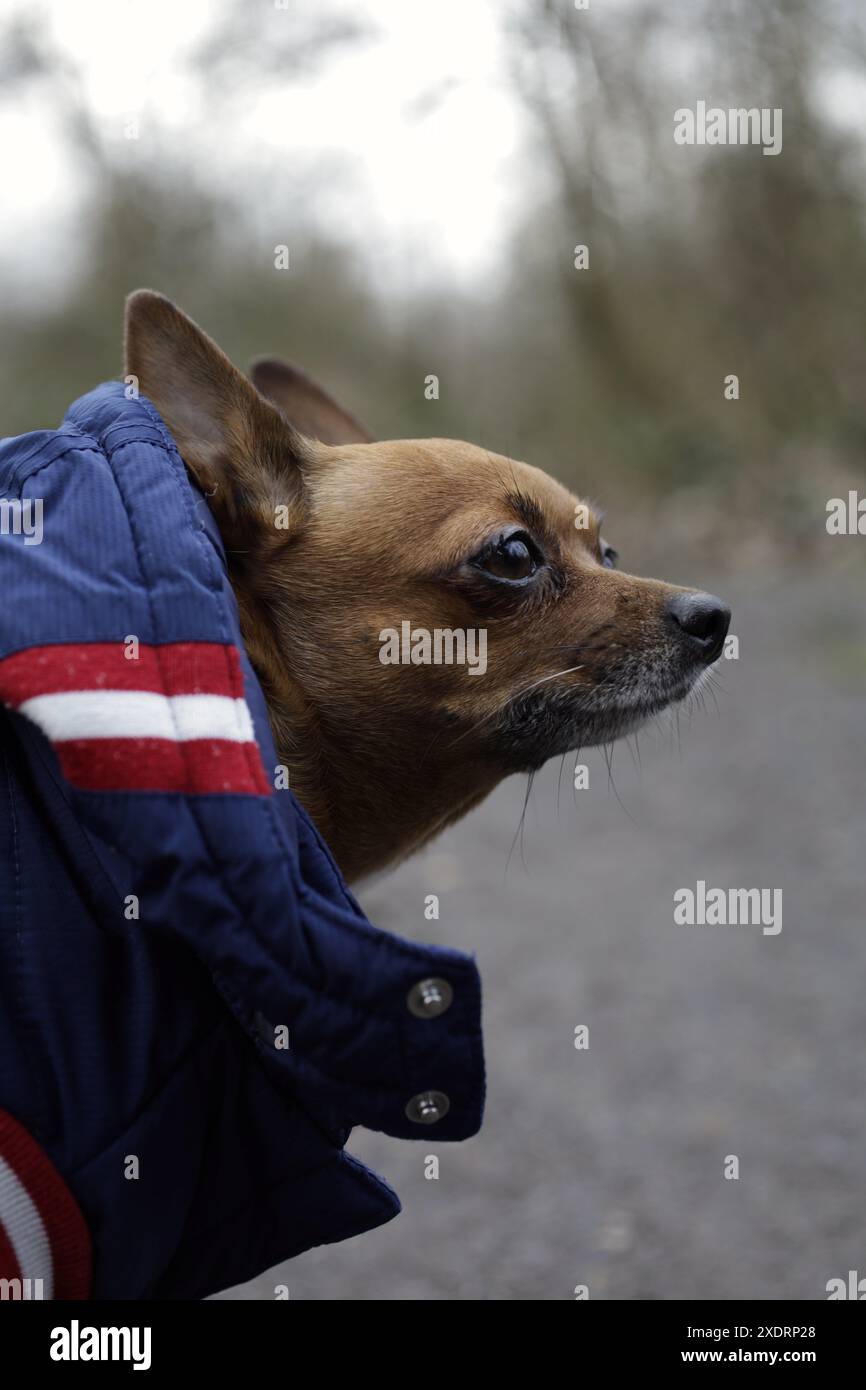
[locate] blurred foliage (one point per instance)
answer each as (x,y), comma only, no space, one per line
(702,263)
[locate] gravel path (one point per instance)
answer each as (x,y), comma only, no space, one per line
(605,1167)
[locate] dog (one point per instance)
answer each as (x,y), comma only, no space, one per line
(334,539)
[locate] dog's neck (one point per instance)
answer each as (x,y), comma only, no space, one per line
(375,792)
(375,799)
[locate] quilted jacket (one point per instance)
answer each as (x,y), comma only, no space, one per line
(194,1011)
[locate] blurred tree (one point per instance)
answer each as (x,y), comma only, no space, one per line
(703,262)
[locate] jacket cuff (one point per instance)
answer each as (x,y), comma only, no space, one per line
(389,1037)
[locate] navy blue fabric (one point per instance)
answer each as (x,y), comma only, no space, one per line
(154,1037)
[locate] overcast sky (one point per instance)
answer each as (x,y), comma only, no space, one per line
(430,182)
(415,135)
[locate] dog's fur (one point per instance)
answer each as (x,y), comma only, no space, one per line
(386,756)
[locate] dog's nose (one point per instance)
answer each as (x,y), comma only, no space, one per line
(703,619)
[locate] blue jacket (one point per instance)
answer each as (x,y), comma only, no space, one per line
(194,1011)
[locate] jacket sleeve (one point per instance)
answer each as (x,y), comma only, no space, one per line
(238,874)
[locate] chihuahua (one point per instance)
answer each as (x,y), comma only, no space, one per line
(357,563)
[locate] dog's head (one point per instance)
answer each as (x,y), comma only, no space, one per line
(425,616)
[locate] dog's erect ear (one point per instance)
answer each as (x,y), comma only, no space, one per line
(305,404)
(240,450)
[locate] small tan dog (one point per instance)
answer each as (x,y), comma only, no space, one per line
(334,540)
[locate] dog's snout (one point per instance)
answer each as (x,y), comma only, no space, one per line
(703,619)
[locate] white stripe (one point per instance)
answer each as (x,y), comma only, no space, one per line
(23,1225)
(139,714)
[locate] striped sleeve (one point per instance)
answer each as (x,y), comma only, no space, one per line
(130,717)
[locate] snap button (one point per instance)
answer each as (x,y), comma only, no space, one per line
(429,998)
(428,1107)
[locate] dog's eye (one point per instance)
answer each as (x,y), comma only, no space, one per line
(512,557)
(609,556)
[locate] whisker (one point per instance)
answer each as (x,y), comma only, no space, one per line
(520,826)
(518,695)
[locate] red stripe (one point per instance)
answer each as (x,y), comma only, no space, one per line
(156,764)
(145,764)
(66,1228)
(177,668)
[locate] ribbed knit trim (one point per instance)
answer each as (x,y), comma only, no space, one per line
(43,1235)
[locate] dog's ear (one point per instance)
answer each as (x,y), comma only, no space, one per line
(306,404)
(241,451)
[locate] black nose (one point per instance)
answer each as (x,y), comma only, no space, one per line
(703,619)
